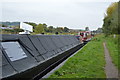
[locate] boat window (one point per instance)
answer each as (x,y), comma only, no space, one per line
(13,50)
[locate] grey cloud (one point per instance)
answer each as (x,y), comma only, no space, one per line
(70,14)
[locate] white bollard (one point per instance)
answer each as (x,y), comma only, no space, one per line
(114,36)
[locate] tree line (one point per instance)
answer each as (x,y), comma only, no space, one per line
(111,20)
(37,28)
(44,28)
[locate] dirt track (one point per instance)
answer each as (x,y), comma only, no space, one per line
(110,69)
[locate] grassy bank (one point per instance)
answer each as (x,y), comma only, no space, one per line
(112,45)
(87,63)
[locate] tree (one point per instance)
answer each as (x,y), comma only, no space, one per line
(111,8)
(99,30)
(39,29)
(66,29)
(45,27)
(110,25)
(51,29)
(86,28)
(59,29)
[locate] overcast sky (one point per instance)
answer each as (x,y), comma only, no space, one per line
(74,14)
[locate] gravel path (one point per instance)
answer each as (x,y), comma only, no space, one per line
(110,69)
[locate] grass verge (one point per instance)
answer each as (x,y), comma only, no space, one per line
(87,63)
